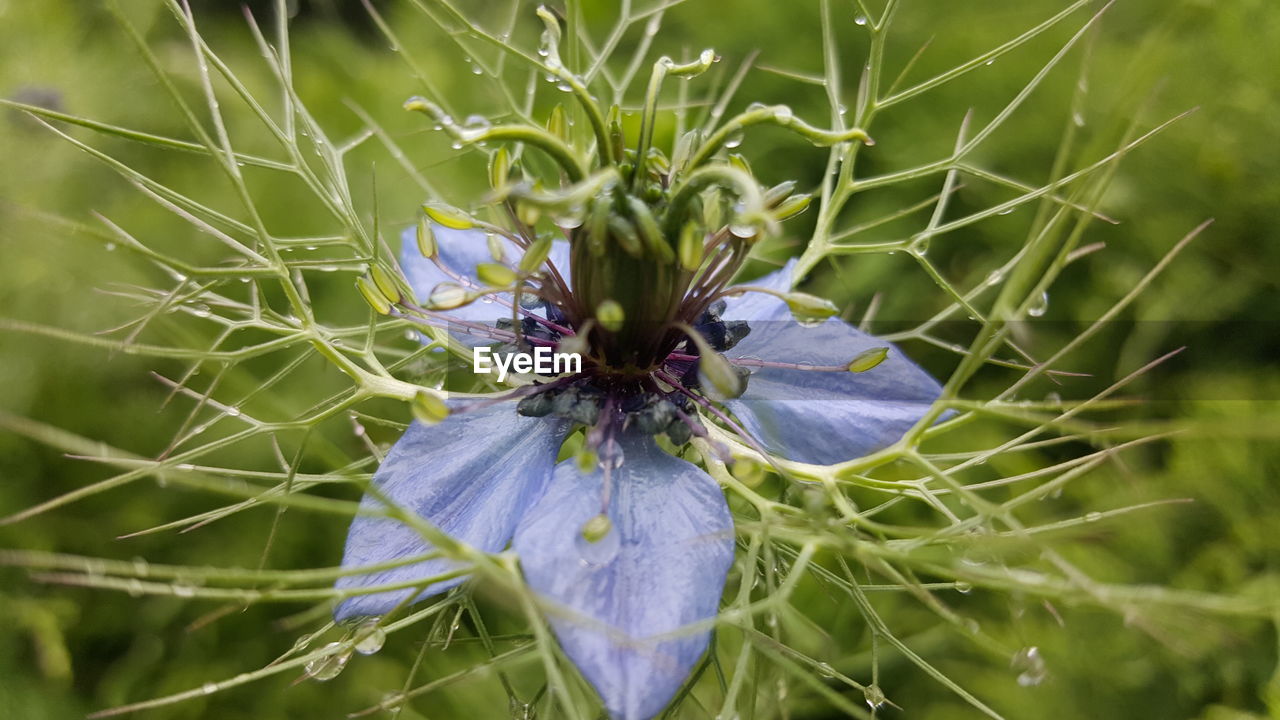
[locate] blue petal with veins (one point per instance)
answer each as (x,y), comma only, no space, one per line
(471,476)
(632,610)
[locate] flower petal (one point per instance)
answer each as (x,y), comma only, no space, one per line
(821,417)
(461,251)
(472,476)
(626,602)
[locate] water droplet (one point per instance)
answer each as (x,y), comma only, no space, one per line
(183,590)
(1040,306)
(1006,211)
(370,637)
(475,69)
(329,665)
(825,670)
(200,311)
(1032,667)
(611,454)
(995,277)
(209,688)
(783,114)
(963,588)
(233,411)
(1093,516)
(860,20)
(477,122)
(598,553)
(134,588)
(456,144)
(874,696)
(1077,118)
(110,246)
(989,62)
(734,140)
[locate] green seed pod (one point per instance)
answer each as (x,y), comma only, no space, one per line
(496,251)
(719,378)
(426,239)
(450,217)
(610,315)
(537,253)
(739,161)
(692,244)
(778,193)
(373,296)
(429,408)
(499,169)
(447,296)
(792,206)
(597,528)
(495,274)
(386,283)
(868,359)
(810,309)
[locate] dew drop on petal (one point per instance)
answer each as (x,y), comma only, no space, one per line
(600,552)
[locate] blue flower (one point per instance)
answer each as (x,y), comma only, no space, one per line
(632,609)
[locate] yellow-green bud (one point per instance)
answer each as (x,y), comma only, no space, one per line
(447,296)
(792,206)
(537,253)
(556,124)
(499,168)
(495,274)
(449,217)
(426,239)
(720,378)
(373,296)
(385,282)
(810,309)
(868,359)
(429,408)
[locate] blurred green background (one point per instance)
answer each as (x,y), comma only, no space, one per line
(65,652)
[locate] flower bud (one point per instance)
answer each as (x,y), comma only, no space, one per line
(719,378)
(778,193)
(792,206)
(373,296)
(385,283)
(809,309)
(447,296)
(426,239)
(495,274)
(450,217)
(556,124)
(499,169)
(429,408)
(868,359)
(537,253)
